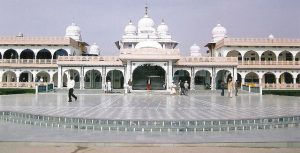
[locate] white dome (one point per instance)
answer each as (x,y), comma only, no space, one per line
(148,44)
(162,28)
(73,31)
(146,25)
(219,32)
(195,50)
(130,29)
(94,49)
(271,36)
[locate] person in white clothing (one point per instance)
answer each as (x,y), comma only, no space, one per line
(70,85)
(109,86)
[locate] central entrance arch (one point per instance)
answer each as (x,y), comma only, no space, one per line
(143,74)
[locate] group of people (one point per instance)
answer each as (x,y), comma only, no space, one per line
(182,88)
(231,87)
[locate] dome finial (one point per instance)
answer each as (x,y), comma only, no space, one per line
(146,9)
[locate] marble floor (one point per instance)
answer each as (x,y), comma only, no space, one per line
(200,106)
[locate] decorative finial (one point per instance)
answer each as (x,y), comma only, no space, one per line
(162,20)
(146,9)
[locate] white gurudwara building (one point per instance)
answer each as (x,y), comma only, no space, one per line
(148,54)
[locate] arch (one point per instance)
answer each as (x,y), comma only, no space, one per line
(251,77)
(145,73)
(182,75)
(0,55)
(269,77)
(60,52)
(298,78)
(286,77)
(71,73)
(9,76)
(285,56)
(222,75)
(44,54)
(117,79)
(55,79)
(202,79)
(92,80)
(297,57)
(42,76)
(26,76)
(251,56)
(27,54)
(234,53)
(268,56)
(10,54)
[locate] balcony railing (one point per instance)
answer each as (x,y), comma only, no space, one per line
(208,61)
(281,86)
(28,61)
(269,62)
(89,60)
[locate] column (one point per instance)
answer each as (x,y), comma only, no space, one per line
(81,78)
(51,78)
(234,74)
(59,77)
(213,79)
(295,82)
(243,80)
(170,74)
(192,79)
(103,78)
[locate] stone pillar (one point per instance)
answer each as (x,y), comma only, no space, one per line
(243,80)
(170,74)
(51,78)
(277,80)
(81,78)
(213,79)
(103,78)
(59,77)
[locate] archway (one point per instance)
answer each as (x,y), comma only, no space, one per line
(268,56)
(286,78)
(182,75)
(234,53)
(60,52)
(269,77)
(71,73)
(55,79)
(298,78)
(92,80)
(10,54)
(27,54)
(0,55)
(117,79)
(42,77)
(26,76)
(251,56)
(9,76)
(285,56)
(44,54)
(297,57)
(252,77)
(222,75)
(147,72)
(202,79)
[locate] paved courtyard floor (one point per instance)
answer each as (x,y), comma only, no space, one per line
(202,106)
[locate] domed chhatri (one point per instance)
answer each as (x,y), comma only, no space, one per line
(219,32)
(271,36)
(195,50)
(163,29)
(73,31)
(130,29)
(146,24)
(94,50)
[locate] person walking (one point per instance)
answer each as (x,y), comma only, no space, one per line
(173,89)
(129,86)
(109,89)
(181,88)
(237,84)
(230,87)
(222,88)
(70,85)
(186,88)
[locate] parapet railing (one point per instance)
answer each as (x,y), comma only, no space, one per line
(27,61)
(269,62)
(281,86)
(89,60)
(17,84)
(208,61)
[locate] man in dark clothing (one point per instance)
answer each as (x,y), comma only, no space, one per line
(237,84)
(182,88)
(222,88)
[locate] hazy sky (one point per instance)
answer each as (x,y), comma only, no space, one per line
(189,21)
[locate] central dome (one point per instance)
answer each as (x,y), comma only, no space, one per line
(146,24)
(148,44)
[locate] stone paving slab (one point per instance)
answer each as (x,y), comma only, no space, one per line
(205,106)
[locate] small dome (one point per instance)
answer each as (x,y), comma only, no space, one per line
(271,36)
(94,49)
(148,44)
(195,50)
(219,32)
(73,31)
(163,28)
(130,29)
